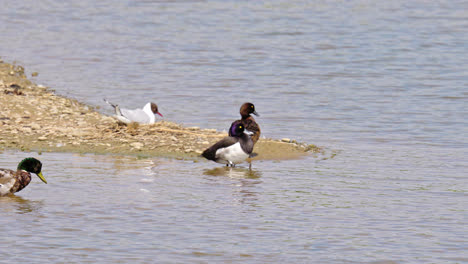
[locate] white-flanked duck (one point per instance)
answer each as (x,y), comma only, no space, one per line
(232,149)
(248,121)
(14,181)
(146,115)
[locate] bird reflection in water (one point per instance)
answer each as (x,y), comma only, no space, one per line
(243,180)
(235,173)
(18,204)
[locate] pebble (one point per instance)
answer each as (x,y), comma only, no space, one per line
(287,140)
(136,145)
(43,138)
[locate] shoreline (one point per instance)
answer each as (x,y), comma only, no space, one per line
(34,118)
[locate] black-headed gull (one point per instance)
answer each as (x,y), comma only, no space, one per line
(144,116)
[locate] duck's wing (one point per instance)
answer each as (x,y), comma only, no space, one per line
(252,126)
(136,115)
(210,153)
(7,181)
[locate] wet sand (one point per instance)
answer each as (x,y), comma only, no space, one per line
(34,118)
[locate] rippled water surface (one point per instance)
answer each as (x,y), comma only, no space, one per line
(380,85)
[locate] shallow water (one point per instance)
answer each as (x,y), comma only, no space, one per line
(382,86)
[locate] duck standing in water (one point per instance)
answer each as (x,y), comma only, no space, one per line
(14,181)
(248,121)
(232,149)
(143,116)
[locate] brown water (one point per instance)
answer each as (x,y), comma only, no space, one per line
(380,84)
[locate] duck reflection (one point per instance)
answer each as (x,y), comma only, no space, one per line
(18,204)
(244,183)
(235,173)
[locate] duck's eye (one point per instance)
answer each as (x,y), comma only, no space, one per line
(251,106)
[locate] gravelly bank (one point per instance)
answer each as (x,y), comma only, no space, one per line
(33,117)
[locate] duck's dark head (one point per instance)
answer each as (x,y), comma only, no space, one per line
(32,165)
(247,109)
(154,109)
(236,129)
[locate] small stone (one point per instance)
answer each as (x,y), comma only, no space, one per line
(287,140)
(34,74)
(136,145)
(205,143)
(27,130)
(193,128)
(42,138)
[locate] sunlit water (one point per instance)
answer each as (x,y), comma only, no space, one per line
(382,86)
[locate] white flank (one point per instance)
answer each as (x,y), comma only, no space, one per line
(233,153)
(6,186)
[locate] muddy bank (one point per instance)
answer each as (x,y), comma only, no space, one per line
(33,118)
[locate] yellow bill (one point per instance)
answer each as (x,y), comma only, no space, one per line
(41,177)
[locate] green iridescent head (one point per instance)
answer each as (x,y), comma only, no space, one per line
(32,165)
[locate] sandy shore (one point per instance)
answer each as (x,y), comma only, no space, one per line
(33,118)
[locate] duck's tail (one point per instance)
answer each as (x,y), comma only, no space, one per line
(209,154)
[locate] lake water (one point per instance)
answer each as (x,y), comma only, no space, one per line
(381,84)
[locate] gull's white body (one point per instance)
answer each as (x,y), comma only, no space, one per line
(140,115)
(144,116)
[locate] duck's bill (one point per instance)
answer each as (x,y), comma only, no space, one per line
(247,132)
(160,114)
(41,177)
(255,113)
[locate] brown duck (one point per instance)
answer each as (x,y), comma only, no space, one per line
(248,121)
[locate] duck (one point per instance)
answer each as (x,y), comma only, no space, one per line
(14,181)
(145,115)
(248,121)
(232,149)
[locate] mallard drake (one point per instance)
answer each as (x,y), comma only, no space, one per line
(14,181)
(248,121)
(232,149)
